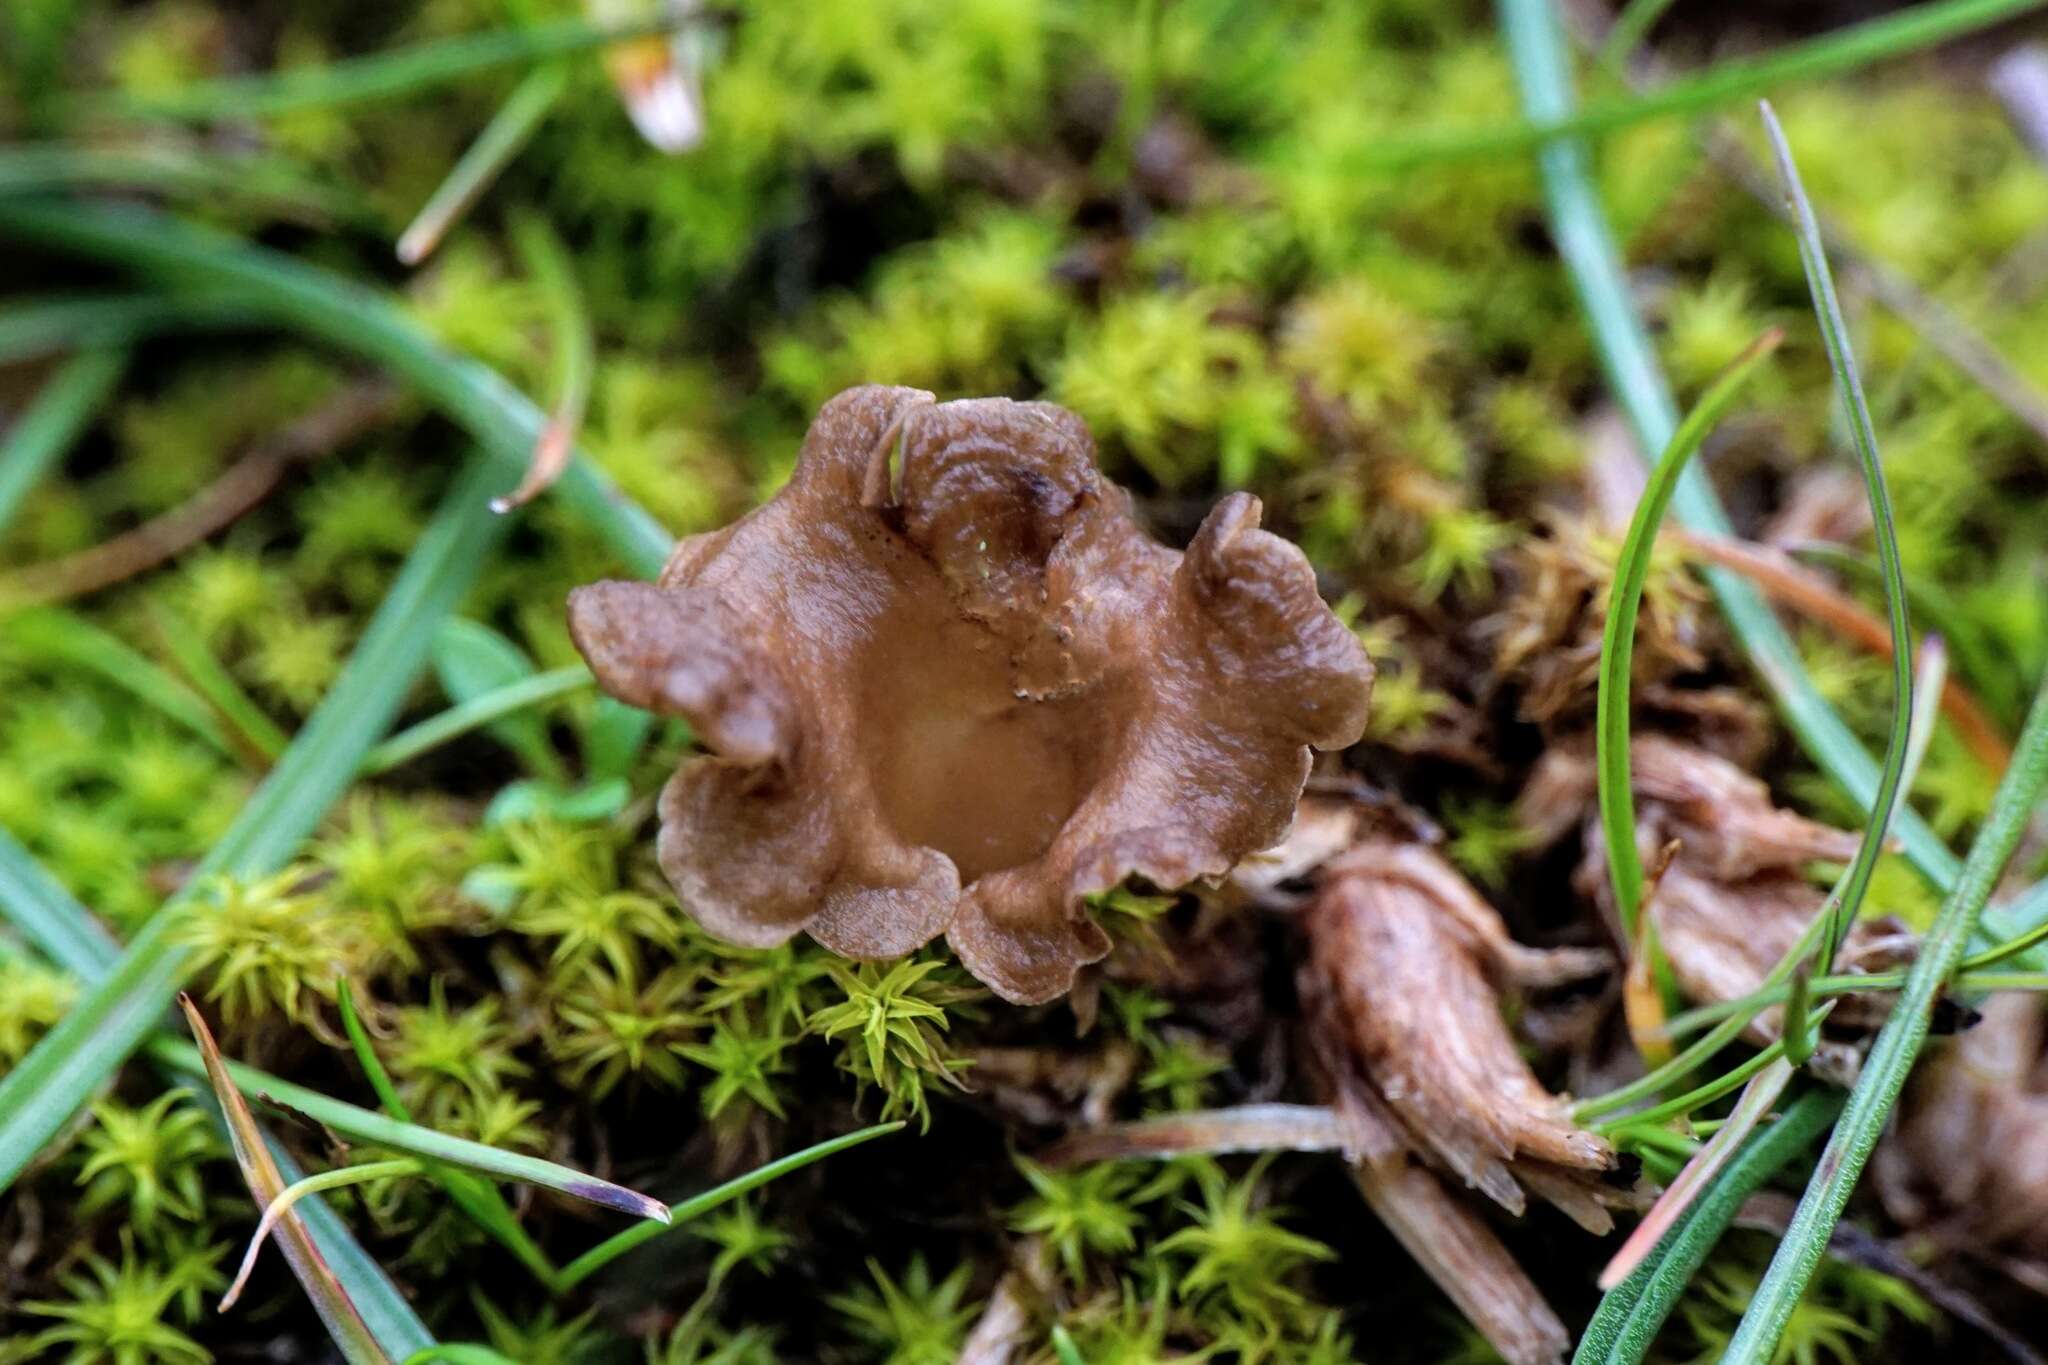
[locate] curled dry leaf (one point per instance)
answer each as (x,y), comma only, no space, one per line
(1407,964)
(1968,1162)
(949,686)
(1735,896)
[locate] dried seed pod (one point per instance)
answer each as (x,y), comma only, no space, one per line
(949,686)
(1408,964)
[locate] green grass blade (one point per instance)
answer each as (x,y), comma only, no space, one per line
(366,1055)
(1834,331)
(284,1207)
(29,330)
(40,437)
(56,635)
(473,714)
(1631,26)
(1617,645)
(1701,1167)
(1724,83)
(548,261)
(390,1315)
(603,1254)
(344,1322)
(210,676)
(42,1092)
(369,1126)
(1984,665)
(274,182)
(70,937)
(47,915)
(473,1195)
(472,660)
(1626,1323)
(1898,1045)
(383,75)
(501,140)
(321,304)
(1537,51)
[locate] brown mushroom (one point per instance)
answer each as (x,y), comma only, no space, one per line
(949,686)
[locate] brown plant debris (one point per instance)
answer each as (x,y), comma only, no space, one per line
(240,488)
(1967,1165)
(949,686)
(1547,633)
(1735,895)
(1406,966)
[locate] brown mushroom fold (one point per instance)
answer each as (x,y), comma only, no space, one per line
(1406,969)
(949,686)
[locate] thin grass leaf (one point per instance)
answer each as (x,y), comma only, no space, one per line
(210,677)
(55,635)
(72,938)
(338,1312)
(391,1316)
(383,75)
(1990,956)
(1834,332)
(62,929)
(321,304)
(1657,1078)
(369,1126)
(366,1054)
(1643,1007)
(1941,951)
(1536,50)
(475,1196)
(1898,1045)
(1241,1128)
(472,660)
(1631,26)
(1618,640)
(1801,1035)
(1724,83)
(280,1208)
(1679,1106)
(1705,1164)
(501,140)
(64,408)
(603,1254)
(459,1353)
(1626,1323)
(548,261)
(29,330)
(1986,668)
(1813,597)
(1735,1015)
(50,1084)
(1063,1347)
(472,714)
(276,183)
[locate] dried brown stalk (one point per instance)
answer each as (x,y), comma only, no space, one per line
(244,485)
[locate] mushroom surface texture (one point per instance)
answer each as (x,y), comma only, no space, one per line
(948,685)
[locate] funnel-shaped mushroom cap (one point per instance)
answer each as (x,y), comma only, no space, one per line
(949,686)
